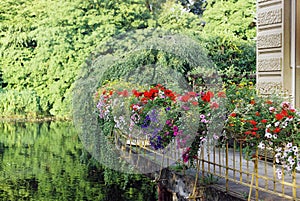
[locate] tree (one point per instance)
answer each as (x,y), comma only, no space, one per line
(231,17)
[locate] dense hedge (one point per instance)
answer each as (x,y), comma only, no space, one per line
(43,44)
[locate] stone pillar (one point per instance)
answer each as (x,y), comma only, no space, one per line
(163,193)
(298,54)
(274,72)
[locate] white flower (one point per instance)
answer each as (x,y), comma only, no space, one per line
(275,136)
(271,109)
(268,126)
(289,145)
(202,116)
(261,145)
(203,139)
(279,173)
(295,149)
(277,156)
(277,124)
(268,135)
(215,136)
(292,162)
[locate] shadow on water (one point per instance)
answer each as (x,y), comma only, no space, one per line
(46,161)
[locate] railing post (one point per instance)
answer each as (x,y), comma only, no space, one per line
(256,174)
(294,185)
(227,168)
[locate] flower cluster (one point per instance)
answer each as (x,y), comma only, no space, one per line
(268,124)
(160,114)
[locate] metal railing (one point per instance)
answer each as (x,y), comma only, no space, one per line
(258,174)
(252,177)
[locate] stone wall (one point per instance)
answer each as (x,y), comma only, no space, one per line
(274,44)
(270,48)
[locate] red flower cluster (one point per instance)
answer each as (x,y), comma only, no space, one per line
(207,96)
(153,93)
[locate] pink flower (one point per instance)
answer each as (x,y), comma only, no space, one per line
(272,109)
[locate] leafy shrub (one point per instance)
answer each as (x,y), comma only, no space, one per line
(234,58)
(15,103)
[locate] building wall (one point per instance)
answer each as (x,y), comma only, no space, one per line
(274,72)
(298,55)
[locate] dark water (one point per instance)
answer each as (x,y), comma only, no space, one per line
(46,161)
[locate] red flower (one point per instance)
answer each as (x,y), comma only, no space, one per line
(233,114)
(195,103)
(276,130)
(279,116)
(284,112)
(214,105)
(255,129)
(153,92)
(257,114)
(123,93)
(269,102)
(185,98)
(248,132)
(264,121)
(252,102)
(252,122)
(192,94)
(136,93)
(170,94)
(207,96)
(147,94)
(221,94)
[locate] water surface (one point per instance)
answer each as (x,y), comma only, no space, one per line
(46,161)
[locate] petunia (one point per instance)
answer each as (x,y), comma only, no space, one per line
(215,136)
(289,145)
(268,135)
(261,145)
(295,149)
(279,173)
(202,116)
(272,109)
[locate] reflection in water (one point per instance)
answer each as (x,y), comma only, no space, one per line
(46,161)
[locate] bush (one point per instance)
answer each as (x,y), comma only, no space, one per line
(15,103)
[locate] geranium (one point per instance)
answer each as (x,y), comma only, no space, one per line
(267,124)
(159,115)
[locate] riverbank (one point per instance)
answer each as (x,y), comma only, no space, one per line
(33,119)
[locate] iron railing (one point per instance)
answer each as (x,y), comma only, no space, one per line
(253,177)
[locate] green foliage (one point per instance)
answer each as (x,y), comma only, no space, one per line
(231,18)
(234,58)
(228,36)
(43,44)
(196,7)
(24,103)
(176,18)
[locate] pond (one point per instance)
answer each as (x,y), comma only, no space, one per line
(47,161)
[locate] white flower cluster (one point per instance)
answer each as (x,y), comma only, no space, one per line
(289,157)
